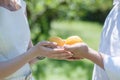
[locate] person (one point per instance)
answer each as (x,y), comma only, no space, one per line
(16,49)
(107,65)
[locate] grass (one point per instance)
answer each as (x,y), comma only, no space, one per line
(63,70)
(88,31)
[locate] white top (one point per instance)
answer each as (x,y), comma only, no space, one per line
(116,1)
(110,45)
(14,37)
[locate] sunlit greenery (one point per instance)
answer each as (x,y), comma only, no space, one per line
(41,13)
(49,69)
(65,18)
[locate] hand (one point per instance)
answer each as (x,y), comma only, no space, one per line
(82,50)
(79,50)
(74,58)
(51,50)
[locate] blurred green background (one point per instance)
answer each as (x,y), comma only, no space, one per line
(65,18)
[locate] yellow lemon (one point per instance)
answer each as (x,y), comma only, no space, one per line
(72,40)
(58,40)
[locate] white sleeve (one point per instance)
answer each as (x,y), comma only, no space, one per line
(112,67)
(23,4)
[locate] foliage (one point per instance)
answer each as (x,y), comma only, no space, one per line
(68,9)
(41,14)
(49,69)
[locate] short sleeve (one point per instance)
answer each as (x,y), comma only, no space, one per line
(112,67)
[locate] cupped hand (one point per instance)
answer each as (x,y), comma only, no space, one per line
(79,50)
(51,50)
(74,58)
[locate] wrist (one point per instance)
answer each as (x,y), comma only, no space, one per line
(91,54)
(95,57)
(31,54)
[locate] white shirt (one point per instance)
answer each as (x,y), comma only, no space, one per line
(110,46)
(116,1)
(14,37)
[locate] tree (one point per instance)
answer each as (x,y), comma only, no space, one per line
(42,12)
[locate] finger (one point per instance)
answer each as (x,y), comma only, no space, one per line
(73,46)
(51,45)
(68,47)
(61,51)
(74,59)
(44,43)
(48,44)
(60,56)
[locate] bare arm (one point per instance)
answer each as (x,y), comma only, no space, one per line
(10,66)
(82,50)
(30,45)
(95,57)
(35,59)
(110,64)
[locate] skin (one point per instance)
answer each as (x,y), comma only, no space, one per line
(10,66)
(45,49)
(10,5)
(35,59)
(81,50)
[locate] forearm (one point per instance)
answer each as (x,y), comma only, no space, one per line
(35,59)
(11,66)
(110,65)
(95,57)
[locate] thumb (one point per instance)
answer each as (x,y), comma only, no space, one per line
(68,47)
(49,44)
